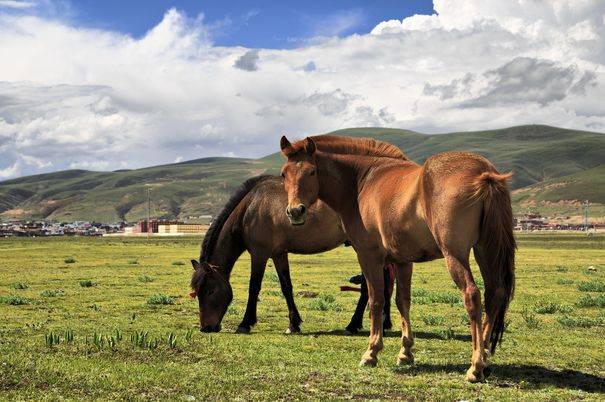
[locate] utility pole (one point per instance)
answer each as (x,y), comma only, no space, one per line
(585,205)
(148,211)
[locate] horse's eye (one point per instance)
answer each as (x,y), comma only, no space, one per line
(283,175)
(210,291)
(312,173)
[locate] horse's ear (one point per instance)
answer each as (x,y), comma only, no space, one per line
(195,264)
(206,267)
(285,145)
(310,146)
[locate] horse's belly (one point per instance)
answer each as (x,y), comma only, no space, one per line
(413,243)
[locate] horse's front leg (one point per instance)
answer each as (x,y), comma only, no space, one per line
(283,272)
(403,299)
(256,278)
(372,267)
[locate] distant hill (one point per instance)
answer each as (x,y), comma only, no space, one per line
(563,196)
(537,154)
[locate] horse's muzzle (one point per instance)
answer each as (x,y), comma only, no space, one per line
(297,215)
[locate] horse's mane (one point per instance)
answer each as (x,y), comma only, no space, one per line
(212,235)
(353,146)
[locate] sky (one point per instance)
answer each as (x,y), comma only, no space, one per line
(112,85)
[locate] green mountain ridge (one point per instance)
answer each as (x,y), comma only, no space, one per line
(536,154)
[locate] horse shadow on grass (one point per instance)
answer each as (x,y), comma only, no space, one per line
(502,375)
(393,334)
(524,376)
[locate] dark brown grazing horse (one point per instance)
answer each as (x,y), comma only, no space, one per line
(253,220)
(395,210)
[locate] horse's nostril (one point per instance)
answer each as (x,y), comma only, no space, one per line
(302,209)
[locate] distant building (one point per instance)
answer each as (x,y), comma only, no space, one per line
(182,228)
(152,227)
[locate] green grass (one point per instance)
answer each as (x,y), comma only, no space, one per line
(160,300)
(52,293)
(591,286)
(105,342)
(590,301)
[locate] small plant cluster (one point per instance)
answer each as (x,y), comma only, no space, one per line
(178,263)
(15,300)
(324,302)
(160,299)
(87,283)
(145,279)
(19,285)
(52,293)
(423,296)
(54,338)
(547,307)
(591,286)
(433,320)
(69,260)
(97,340)
(530,319)
(581,322)
(591,301)
(142,340)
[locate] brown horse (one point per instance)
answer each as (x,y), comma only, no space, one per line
(253,220)
(395,210)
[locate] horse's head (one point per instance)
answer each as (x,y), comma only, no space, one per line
(214,295)
(300,178)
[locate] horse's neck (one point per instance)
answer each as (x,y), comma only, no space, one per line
(228,247)
(341,179)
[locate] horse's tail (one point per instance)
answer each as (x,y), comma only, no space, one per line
(496,249)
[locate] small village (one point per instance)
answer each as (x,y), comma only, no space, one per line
(529,222)
(156,227)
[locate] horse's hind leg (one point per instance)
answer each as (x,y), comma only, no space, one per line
(495,297)
(461,274)
(256,278)
(403,300)
(357,320)
(283,272)
(388,291)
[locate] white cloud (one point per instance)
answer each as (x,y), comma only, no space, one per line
(16,4)
(87,98)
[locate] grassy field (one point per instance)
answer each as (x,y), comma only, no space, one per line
(110,319)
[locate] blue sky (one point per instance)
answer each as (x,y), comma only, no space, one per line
(263,24)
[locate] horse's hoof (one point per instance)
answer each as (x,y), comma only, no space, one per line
(351,331)
(368,362)
(404,360)
(474,376)
(292,331)
(242,330)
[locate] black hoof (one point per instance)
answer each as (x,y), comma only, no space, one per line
(242,330)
